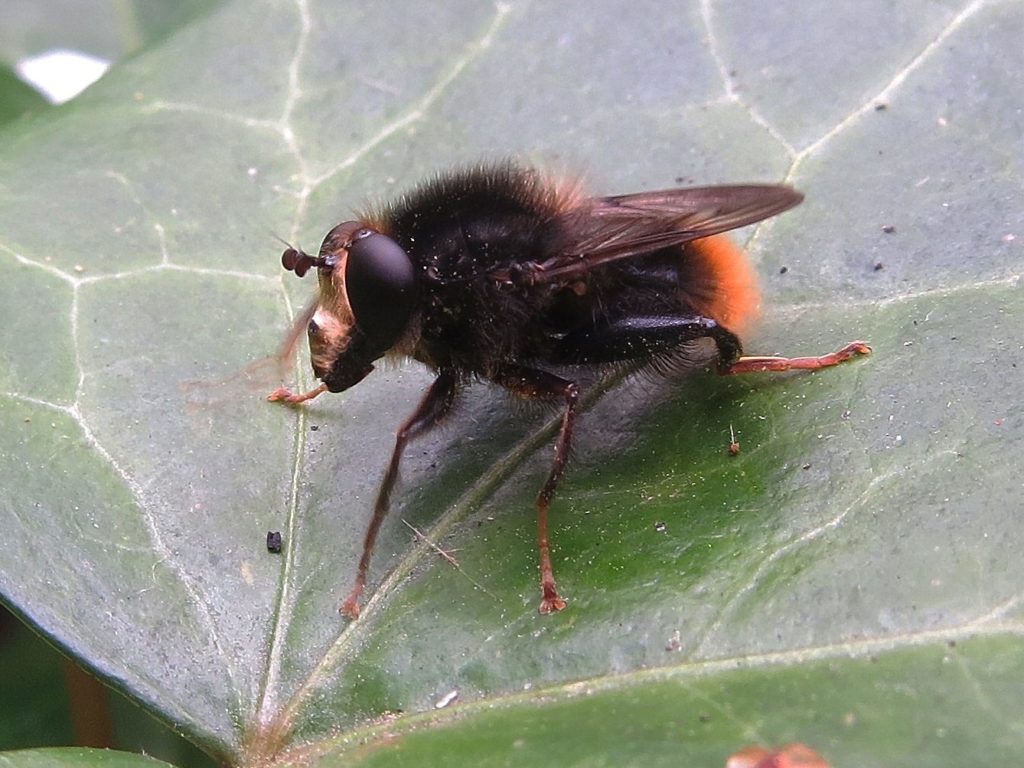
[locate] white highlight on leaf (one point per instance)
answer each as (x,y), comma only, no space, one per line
(61,74)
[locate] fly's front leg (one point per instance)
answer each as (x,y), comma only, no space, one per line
(286,396)
(287,354)
(541,385)
(435,405)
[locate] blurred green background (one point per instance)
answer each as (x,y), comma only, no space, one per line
(48,701)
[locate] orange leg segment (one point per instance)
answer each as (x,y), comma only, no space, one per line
(755,364)
(541,385)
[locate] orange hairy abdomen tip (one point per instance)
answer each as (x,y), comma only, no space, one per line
(719,282)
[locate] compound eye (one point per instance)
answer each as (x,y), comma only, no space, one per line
(381,285)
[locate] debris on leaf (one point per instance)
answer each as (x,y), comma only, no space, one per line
(675,642)
(273,541)
(734,446)
(445,700)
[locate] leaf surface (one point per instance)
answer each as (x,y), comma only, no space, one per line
(870,520)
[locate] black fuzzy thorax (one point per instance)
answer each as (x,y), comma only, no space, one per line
(467,233)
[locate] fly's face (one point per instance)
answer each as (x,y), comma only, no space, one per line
(368,294)
(330,332)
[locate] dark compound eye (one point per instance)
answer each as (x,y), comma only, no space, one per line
(312,329)
(381,284)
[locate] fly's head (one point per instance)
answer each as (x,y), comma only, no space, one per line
(368,294)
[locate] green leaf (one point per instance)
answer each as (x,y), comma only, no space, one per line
(68,757)
(870,520)
(857,711)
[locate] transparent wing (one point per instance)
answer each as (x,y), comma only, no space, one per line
(608,229)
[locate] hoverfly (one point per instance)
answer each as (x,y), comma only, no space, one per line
(502,274)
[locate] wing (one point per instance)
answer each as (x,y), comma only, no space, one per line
(287,352)
(608,229)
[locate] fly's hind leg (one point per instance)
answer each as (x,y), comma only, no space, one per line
(541,385)
(755,364)
(639,337)
(643,337)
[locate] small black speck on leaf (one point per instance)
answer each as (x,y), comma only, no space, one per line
(273,541)
(783,270)
(879,266)
(889,229)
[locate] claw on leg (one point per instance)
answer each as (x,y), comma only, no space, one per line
(550,601)
(350,608)
(286,396)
